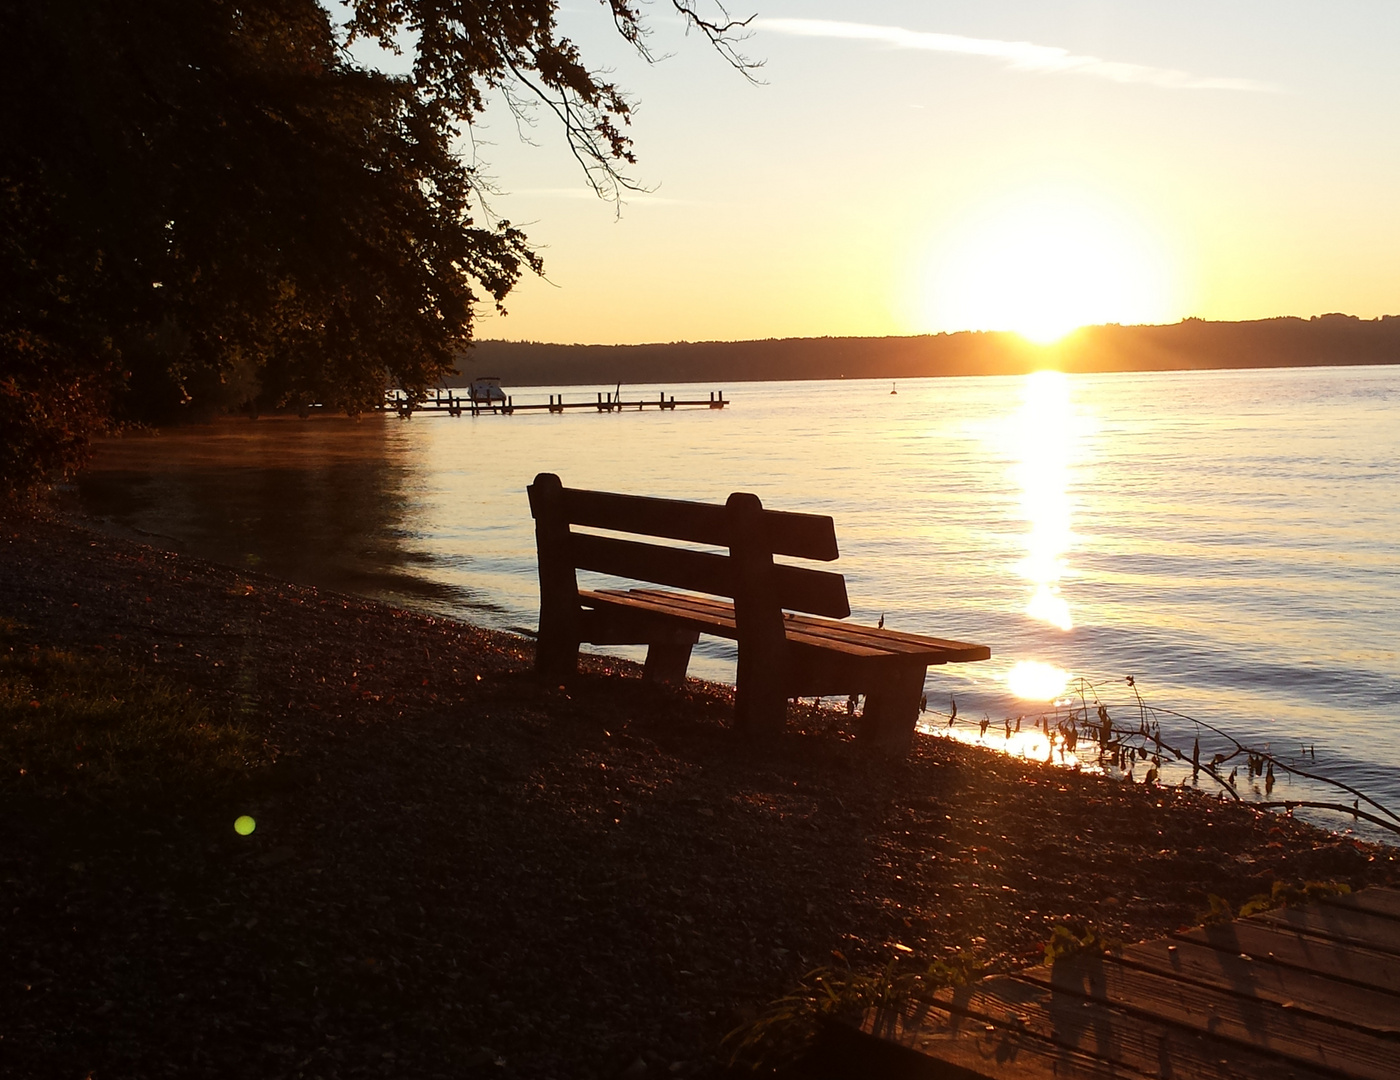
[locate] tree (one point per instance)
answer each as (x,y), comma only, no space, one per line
(208,203)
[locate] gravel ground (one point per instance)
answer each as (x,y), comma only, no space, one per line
(459,872)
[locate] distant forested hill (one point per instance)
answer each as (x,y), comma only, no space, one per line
(1190,344)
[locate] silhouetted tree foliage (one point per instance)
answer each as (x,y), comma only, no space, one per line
(208,203)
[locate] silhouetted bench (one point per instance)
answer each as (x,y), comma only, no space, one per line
(786,648)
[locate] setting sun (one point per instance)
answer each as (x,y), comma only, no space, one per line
(1044,263)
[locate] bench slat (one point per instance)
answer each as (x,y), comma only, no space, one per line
(890,641)
(802,536)
(953,652)
(702,571)
(717,617)
(818,592)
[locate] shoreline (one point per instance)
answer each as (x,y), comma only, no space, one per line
(1187,345)
(457,871)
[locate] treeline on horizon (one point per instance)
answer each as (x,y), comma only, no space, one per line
(1192,344)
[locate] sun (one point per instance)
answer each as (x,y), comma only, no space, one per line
(1042,263)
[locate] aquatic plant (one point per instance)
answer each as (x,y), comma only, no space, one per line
(1085,715)
(1069,941)
(1282,894)
(787,1028)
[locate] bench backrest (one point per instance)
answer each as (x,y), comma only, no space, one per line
(752,535)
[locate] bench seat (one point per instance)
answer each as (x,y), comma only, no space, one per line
(708,615)
(825,656)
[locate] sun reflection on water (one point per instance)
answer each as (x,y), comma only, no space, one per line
(1034,680)
(1030,744)
(1045,437)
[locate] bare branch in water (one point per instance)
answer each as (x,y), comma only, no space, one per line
(1122,747)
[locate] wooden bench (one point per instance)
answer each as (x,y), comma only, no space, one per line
(784,618)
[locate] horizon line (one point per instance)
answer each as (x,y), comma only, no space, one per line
(928,334)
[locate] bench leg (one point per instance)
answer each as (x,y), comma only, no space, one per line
(760,700)
(556,648)
(668,659)
(556,656)
(891,711)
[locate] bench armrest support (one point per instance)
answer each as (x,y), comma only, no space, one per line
(556,651)
(760,699)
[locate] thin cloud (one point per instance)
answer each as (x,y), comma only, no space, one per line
(1019,55)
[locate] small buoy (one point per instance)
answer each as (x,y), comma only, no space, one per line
(244,825)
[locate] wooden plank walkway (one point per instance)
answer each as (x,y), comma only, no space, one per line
(455,403)
(1301,993)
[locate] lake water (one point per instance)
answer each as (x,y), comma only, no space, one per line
(1229,538)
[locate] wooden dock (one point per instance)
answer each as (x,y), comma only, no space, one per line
(1302,993)
(457,402)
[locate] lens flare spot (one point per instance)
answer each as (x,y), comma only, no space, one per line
(1034,680)
(244,825)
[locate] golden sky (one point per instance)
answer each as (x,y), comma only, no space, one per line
(913,167)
